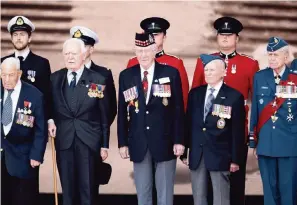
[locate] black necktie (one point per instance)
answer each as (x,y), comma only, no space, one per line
(73,81)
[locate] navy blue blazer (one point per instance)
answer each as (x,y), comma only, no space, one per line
(219,147)
(155,127)
(24,143)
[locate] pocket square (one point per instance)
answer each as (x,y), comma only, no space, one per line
(223,97)
(164,80)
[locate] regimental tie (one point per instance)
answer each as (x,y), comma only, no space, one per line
(209,102)
(7,109)
(73,81)
(145,84)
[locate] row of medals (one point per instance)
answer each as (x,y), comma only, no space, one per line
(95,93)
(31,75)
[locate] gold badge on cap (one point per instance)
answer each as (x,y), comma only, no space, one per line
(77,34)
(19,21)
(275,40)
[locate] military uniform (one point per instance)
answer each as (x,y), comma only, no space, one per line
(157,25)
(239,75)
(273,130)
(293,67)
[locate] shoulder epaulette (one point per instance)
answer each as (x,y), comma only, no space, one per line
(247,56)
(172,56)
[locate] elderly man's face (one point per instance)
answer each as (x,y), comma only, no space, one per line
(145,55)
(10,75)
(73,56)
(227,41)
(214,72)
(20,39)
(277,59)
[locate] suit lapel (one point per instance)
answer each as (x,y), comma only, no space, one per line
(270,80)
(156,76)
(286,74)
(202,100)
(63,82)
(137,80)
(81,90)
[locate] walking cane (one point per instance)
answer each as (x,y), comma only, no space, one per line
(54,169)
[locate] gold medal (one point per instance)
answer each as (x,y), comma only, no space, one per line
(32,79)
(136,106)
(165,101)
(221,123)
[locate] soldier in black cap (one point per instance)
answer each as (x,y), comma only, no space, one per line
(239,75)
(35,69)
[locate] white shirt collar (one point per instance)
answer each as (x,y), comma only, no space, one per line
(78,72)
(281,73)
(217,87)
(150,70)
(23,53)
(88,64)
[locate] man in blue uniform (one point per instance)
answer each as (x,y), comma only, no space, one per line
(150,122)
(273,128)
(215,133)
(23,136)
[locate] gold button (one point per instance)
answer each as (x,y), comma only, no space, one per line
(1,149)
(204,129)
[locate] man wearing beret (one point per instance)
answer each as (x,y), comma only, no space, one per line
(158,27)
(150,122)
(239,75)
(273,126)
(35,69)
(215,124)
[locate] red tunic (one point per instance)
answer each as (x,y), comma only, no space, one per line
(175,62)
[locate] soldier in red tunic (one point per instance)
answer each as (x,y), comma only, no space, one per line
(239,75)
(158,27)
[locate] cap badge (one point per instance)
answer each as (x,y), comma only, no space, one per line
(77,34)
(19,21)
(226,25)
(275,40)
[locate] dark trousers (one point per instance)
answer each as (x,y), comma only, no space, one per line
(237,182)
(16,191)
(77,171)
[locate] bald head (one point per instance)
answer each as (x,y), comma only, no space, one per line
(10,72)
(214,72)
(74,53)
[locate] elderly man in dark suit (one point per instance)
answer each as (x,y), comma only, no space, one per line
(150,122)
(215,133)
(80,105)
(23,136)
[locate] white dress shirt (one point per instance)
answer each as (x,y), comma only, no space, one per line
(15,97)
(78,75)
(88,64)
(215,93)
(150,77)
(23,53)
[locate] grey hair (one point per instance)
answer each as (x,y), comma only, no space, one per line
(285,50)
(76,41)
(12,61)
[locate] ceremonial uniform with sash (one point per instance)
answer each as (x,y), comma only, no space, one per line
(274,130)
(156,25)
(150,124)
(240,71)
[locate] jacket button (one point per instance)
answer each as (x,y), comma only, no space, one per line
(147,112)
(147,127)
(204,129)
(201,145)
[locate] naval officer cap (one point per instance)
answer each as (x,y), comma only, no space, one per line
(154,25)
(205,58)
(227,25)
(275,43)
(20,23)
(144,39)
(88,36)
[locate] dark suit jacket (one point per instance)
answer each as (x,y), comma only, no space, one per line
(219,147)
(42,79)
(24,143)
(110,89)
(90,121)
(156,127)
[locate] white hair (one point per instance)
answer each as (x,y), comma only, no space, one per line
(75,41)
(285,50)
(12,61)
